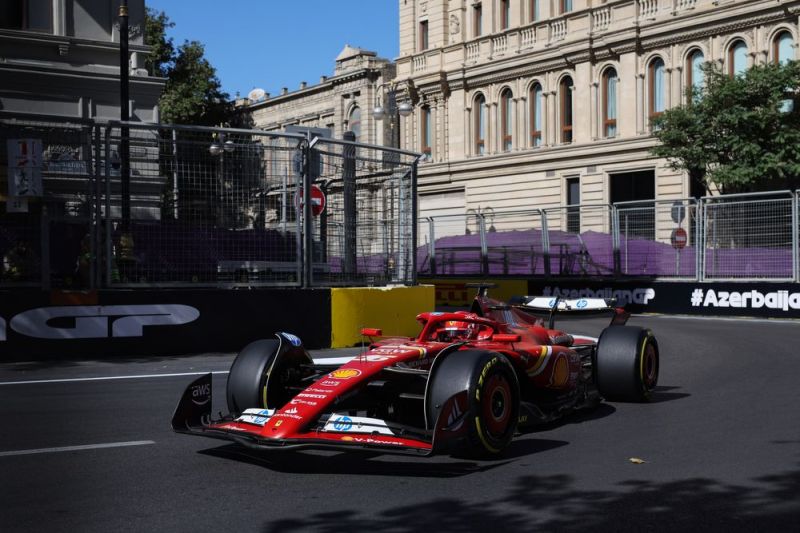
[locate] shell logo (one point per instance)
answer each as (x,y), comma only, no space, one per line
(347,438)
(345,373)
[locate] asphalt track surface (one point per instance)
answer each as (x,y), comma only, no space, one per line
(720,445)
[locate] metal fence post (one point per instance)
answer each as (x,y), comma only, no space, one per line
(484,247)
(414,215)
(308,224)
(108,247)
(350,217)
(545,243)
(615,241)
(796,236)
(432,244)
(96,264)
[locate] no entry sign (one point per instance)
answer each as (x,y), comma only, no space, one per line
(317,200)
(679,238)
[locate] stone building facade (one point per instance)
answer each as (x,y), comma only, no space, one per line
(61,58)
(339,103)
(540,103)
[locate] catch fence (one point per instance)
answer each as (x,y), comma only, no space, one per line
(217,207)
(748,237)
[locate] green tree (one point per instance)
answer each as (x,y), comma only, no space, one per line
(736,131)
(193,93)
(162,49)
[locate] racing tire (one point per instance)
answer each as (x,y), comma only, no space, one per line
(493,399)
(248,375)
(626,363)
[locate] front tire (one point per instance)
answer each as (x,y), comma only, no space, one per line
(627,363)
(492,397)
(247,379)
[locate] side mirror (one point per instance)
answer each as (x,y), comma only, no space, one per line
(371,332)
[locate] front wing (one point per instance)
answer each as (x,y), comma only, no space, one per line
(193,416)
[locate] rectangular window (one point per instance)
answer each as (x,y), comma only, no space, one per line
(566,6)
(32,15)
(505,14)
(573,200)
(477,20)
(426,128)
(423,35)
(533,11)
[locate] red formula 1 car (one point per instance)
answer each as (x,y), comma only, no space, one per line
(464,385)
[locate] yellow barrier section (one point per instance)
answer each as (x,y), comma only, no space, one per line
(391,309)
(455,293)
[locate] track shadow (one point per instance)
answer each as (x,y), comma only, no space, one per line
(578,417)
(559,503)
(665,394)
(369,463)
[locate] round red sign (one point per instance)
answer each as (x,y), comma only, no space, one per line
(317,200)
(679,238)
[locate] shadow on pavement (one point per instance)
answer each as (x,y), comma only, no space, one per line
(557,503)
(369,463)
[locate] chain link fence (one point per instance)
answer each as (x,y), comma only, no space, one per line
(742,237)
(215,207)
(750,237)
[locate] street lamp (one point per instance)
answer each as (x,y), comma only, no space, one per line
(218,148)
(393,110)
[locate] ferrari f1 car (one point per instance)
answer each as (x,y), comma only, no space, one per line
(464,385)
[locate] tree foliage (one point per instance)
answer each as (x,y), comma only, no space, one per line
(193,93)
(737,131)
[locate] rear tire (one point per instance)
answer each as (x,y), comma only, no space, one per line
(626,365)
(248,375)
(492,410)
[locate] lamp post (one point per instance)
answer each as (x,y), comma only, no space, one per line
(392,110)
(218,148)
(126,239)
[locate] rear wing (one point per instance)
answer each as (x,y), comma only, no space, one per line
(570,306)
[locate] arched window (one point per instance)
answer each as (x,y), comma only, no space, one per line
(565,98)
(426,130)
(657,87)
(695,78)
(783,48)
(610,102)
(354,122)
(480,124)
(536,102)
(737,58)
(507,110)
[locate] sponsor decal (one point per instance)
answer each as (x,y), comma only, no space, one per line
(97,322)
(295,340)
(343,423)
(277,423)
(231,426)
(780,300)
(624,296)
(581,303)
(309,395)
(318,391)
(201,394)
(258,417)
(293,410)
(345,373)
(560,372)
(287,415)
(329,383)
(371,440)
(297,401)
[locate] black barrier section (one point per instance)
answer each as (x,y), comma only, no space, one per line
(146,323)
(768,300)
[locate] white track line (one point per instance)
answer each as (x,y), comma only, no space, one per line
(78,448)
(106,378)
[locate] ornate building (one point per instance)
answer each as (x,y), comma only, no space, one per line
(61,58)
(339,103)
(540,103)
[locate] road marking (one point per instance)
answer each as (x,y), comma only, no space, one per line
(78,448)
(106,378)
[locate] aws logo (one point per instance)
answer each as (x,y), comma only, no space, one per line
(96,322)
